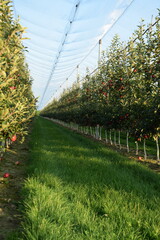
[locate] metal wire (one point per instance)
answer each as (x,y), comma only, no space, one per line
(96,69)
(71,20)
(94,48)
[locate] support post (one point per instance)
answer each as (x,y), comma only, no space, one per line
(158,160)
(78,74)
(127,141)
(99,52)
(144,147)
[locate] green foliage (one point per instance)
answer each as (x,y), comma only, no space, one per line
(124,93)
(17,104)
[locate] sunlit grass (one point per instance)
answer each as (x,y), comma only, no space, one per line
(78,189)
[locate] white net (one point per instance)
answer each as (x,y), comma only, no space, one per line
(65,33)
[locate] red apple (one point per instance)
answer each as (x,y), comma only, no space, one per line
(14,138)
(146,136)
(17,163)
(12,88)
(6,175)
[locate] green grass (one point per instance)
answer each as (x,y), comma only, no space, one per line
(78,189)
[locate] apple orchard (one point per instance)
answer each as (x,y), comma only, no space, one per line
(124,94)
(17,101)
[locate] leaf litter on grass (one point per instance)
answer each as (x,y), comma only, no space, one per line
(10,190)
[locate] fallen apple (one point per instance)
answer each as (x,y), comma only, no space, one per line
(6,175)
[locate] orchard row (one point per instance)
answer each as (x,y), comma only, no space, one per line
(124,94)
(17,100)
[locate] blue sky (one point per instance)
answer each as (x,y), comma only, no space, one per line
(62,34)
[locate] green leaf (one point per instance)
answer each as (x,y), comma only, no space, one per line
(5,125)
(3,74)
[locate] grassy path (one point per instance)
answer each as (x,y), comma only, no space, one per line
(78,189)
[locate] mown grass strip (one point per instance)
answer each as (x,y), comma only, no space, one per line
(78,189)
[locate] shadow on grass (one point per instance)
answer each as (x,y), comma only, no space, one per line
(80,161)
